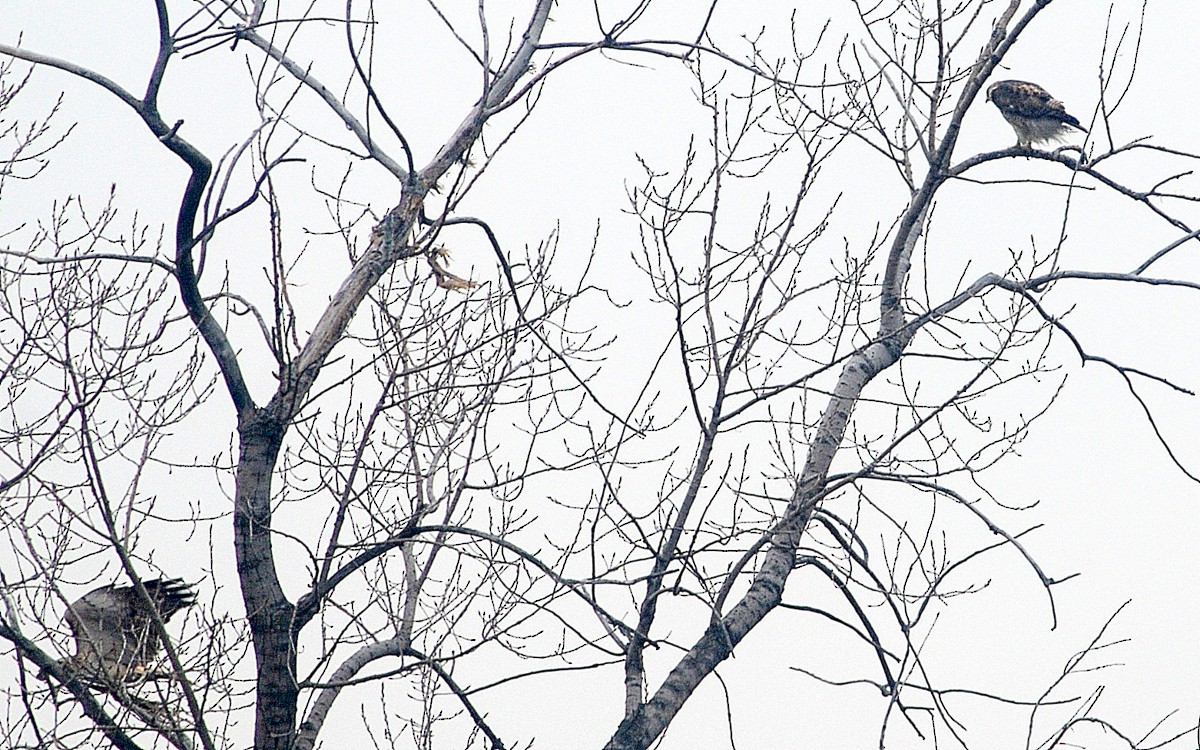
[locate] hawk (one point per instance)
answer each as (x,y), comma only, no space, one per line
(115,639)
(1032,112)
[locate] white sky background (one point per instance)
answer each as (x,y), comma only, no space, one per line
(1113,507)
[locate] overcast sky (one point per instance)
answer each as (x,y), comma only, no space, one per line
(1111,504)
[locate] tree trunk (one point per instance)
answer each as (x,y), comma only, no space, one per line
(267,609)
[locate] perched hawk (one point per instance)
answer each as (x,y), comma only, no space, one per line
(1032,112)
(113,627)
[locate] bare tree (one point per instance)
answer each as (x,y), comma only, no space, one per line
(431,485)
